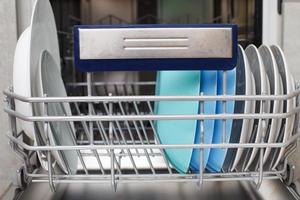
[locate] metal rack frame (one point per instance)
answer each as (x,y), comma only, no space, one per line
(125,133)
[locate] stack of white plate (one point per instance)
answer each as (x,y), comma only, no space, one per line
(271,77)
(36,73)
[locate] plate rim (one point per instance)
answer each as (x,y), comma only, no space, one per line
(263,90)
(290,87)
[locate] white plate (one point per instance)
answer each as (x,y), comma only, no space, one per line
(262,87)
(21,86)
(49,82)
(288,87)
(276,89)
(249,107)
(253,107)
(244,155)
(43,34)
(40,35)
(21,82)
(43,37)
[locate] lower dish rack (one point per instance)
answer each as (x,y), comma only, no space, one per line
(116,139)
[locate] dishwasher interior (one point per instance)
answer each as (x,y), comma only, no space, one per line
(148,167)
(113,118)
(140,167)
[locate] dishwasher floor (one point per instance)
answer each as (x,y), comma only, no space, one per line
(271,189)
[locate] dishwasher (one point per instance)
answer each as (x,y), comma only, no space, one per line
(114,124)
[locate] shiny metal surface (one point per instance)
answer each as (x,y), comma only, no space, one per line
(118,43)
(230,190)
(275,190)
(270,190)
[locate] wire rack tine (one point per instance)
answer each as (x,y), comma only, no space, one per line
(112,126)
(128,150)
(125,90)
(224,105)
(128,103)
(145,150)
(86,131)
(46,130)
(142,125)
(73,137)
(124,140)
(100,128)
(133,88)
(106,108)
(157,140)
(261,152)
(96,155)
(81,160)
(201,164)
(106,92)
(106,140)
(116,89)
(89,91)
(128,126)
(111,138)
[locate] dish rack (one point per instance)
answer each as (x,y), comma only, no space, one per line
(117,142)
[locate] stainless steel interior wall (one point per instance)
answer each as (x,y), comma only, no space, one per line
(8,39)
(291,33)
(291,48)
(23,14)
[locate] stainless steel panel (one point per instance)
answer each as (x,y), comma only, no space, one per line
(155,43)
